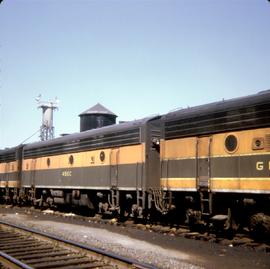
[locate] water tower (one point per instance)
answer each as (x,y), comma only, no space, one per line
(47,128)
(96,117)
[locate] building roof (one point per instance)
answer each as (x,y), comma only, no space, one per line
(98,109)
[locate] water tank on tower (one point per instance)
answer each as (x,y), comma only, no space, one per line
(96,117)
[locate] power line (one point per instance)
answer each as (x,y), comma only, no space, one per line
(30,136)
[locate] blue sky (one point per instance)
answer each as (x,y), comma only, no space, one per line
(137,58)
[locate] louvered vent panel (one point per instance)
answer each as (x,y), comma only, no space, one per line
(267,142)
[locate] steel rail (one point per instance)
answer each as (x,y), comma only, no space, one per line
(14,261)
(116,257)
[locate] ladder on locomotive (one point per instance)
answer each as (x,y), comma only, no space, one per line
(203,159)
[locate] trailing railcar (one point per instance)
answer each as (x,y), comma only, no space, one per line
(103,168)
(215,159)
(10,173)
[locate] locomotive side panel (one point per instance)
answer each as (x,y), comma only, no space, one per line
(178,164)
(9,174)
(99,169)
(242,166)
(130,173)
(188,161)
(67,170)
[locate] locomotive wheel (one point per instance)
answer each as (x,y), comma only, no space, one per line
(259,226)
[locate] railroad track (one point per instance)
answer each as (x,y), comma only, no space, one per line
(22,247)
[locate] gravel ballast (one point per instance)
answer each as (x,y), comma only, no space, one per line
(162,251)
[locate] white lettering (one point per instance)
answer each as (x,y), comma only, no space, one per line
(67,173)
(259,166)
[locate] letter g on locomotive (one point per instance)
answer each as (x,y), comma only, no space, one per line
(259,166)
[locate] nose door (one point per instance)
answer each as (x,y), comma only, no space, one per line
(203,162)
(6,175)
(33,172)
(114,160)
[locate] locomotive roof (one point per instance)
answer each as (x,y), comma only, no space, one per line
(262,97)
(9,154)
(242,113)
(92,133)
(8,150)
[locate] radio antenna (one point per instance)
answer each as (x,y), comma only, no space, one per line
(48,107)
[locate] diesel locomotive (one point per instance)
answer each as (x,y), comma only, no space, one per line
(199,164)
